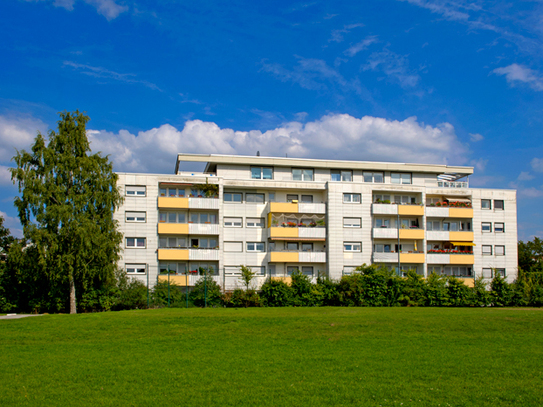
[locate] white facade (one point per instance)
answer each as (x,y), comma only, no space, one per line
(321,217)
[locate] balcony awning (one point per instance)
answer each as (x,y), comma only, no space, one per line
(300,239)
(463,244)
(454,199)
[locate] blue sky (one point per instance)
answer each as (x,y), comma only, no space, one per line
(432,81)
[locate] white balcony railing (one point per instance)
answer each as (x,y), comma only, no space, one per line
(204,254)
(385,257)
(203,203)
(452,184)
(203,229)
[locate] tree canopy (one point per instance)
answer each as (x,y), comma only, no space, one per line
(68,197)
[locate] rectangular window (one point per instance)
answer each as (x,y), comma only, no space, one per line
(486,227)
(352,222)
(271,269)
(271,196)
(255,222)
(348,270)
(382,223)
(135,190)
(261,172)
(307,247)
(498,204)
(487,273)
(292,198)
(351,198)
(487,250)
(135,242)
(135,216)
(499,250)
(233,222)
(352,247)
(292,269)
(163,191)
(299,174)
(307,198)
(232,197)
(136,268)
(499,227)
(376,177)
(400,177)
(341,175)
(499,272)
(307,270)
(254,198)
(255,246)
(232,270)
(292,246)
(486,204)
(233,246)
(382,248)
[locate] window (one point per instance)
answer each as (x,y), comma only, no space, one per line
(376,177)
(485,204)
(498,204)
(486,227)
(176,268)
(400,177)
(232,270)
(135,216)
(499,227)
(271,196)
(341,175)
(307,247)
(261,172)
(254,198)
(352,247)
(136,242)
(232,197)
(382,223)
(499,272)
(308,271)
(351,198)
(172,242)
(136,268)
(172,192)
(487,250)
(307,198)
(255,222)
(299,174)
(135,190)
(348,270)
(258,270)
(352,222)
(233,246)
(487,273)
(292,197)
(292,246)
(233,222)
(271,268)
(433,225)
(255,246)
(382,248)
(381,198)
(292,269)
(499,250)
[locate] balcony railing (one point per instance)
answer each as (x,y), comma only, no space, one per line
(452,184)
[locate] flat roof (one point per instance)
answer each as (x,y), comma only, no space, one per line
(212,160)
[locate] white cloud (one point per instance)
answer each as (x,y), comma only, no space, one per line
(108,8)
(361,46)
(479,164)
(13,224)
(537,164)
(18,133)
(525,176)
(515,73)
(475,137)
(337,136)
(5,176)
(530,192)
(395,66)
(337,35)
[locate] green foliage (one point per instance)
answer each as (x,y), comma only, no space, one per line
(481,295)
(176,293)
(413,293)
(303,295)
(241,298)
(325,292)
(502,292)
(246,276)
(436,292)
(206,292)
(276,293)
(459,293)
(66,207)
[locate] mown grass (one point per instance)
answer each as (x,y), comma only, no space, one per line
(275,357)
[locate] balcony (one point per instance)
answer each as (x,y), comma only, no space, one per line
(190,228)
(452,184)
(395,209)
(166,202)
(173,228)
(183,280)
(450,258)
(188,254)
(390,233)
(411,258)
(302,207)
(442,235)
(303,233)
(448,212)
(297,257)
(203,229)
(380,257)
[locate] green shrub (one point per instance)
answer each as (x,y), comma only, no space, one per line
(132,295)
(413,292)
(458,292)
(301,290)
(436,292)
(502,292)
(481,295)
(276,293)
(240,298)
(177,294)
(325,292)
(206,292)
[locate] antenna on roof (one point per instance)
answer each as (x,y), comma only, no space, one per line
(258,153)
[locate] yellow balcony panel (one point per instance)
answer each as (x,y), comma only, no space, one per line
(173,254)
(286,280)
(461,212)
(412,210)
(173,228)
(415,234)
(283,232)
(461,236)
(461,259)
(284,257)
(167,202)
(412,258)
(177,280)
(283,207)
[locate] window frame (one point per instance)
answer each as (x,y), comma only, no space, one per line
(303,174)
(233,221)
(261,223)
(255,247)
(136,240)
(489,250)
(502,204)
(372,175)
(353,248)
(232,194)
(261,172)
(401,177)
(136,218)
(341,175)
(488,225)
(351,196)
(489,201)
(135,266)
(498,229)
(353,222)
(501,251)
(253,195)
(136,189)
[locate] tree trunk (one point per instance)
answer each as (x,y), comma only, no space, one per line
(73,309)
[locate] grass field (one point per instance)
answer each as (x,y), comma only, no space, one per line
(276,357)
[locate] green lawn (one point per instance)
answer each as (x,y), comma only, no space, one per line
(275,357)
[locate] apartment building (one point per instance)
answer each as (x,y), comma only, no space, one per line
(322,217)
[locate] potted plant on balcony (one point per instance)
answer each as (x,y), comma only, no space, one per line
(312,224)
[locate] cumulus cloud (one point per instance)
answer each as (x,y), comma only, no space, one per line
(515,74)
(337,136)
(107,8)
(537,164)
(475,137)
(530,192)
(17,133)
